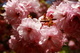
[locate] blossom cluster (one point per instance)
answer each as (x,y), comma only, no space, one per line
(68,20)
(35,32)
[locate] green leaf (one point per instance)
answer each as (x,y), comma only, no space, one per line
(65,49)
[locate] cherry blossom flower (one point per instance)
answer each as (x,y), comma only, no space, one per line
(26,38)
(29,28)
(16,10)
(35,37)
(70,21)
(51,39)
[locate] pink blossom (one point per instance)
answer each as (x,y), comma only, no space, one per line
(16,10)
(21,46)
(71,43)
(27,37)
(32,37)
(69,22)
(67,15)
(29,28)
(51,39)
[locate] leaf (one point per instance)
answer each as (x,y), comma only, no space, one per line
(65,49)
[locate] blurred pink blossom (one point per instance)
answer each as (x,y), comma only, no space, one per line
(27,37)
(51,39)
(16,10)
(31,35)
(68,19)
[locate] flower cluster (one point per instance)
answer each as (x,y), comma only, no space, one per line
(33,33)
(68,20)
(16,10)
